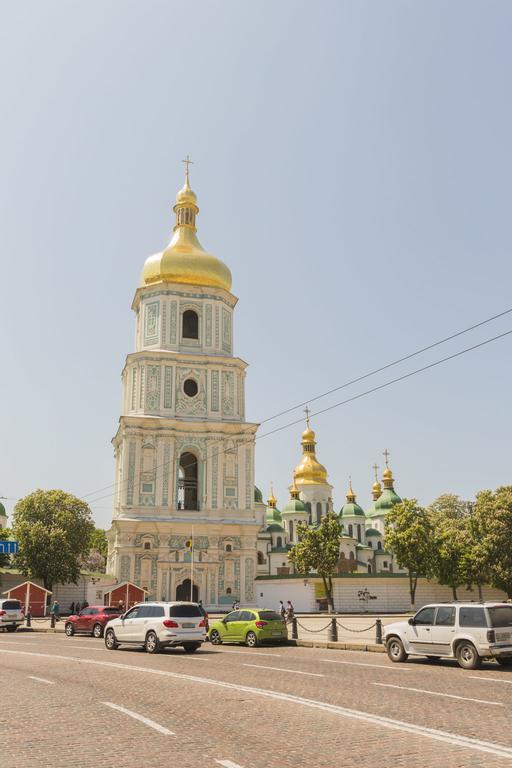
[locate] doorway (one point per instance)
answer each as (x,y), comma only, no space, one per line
(183,591)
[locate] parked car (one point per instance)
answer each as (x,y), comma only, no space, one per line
(251,626)
(158,625)
(468,632)
(12,615)
(90,620)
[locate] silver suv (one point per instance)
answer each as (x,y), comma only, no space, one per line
(468,632)
(11,614)
(158,625)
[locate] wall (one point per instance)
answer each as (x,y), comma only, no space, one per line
(392,593)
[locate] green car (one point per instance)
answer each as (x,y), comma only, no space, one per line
(251,626)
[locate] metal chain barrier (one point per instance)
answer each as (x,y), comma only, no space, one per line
(348,629)
(313,631)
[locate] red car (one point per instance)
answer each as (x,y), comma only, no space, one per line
(91,620)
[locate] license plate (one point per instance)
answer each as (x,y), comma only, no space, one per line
(188,626)
(11,615)
(500,636)
(276,634)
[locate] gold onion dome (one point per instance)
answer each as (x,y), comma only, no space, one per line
(309,471)
(185,260)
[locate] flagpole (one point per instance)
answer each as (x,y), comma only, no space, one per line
(192,566)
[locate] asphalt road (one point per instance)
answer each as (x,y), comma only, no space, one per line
(69,701)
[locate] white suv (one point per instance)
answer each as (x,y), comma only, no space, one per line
(158,625)
(468,632)
(11,614)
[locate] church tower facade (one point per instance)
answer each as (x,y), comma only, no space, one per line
(184,452)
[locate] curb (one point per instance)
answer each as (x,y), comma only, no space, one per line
(371,647)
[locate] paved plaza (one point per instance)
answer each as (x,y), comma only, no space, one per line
(231,706)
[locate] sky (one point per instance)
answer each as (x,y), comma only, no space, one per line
(352,162)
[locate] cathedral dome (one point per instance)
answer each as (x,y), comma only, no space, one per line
(351,508)
(185,260)
(309,471)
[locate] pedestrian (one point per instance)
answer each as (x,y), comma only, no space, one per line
(290,612)
(77,607)
(205,615)
(282,610)
(85,604)
(72,608)
(233,607)
(55,610)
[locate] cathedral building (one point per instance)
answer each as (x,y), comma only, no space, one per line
(188,521)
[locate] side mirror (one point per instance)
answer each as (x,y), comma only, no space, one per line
(410,621)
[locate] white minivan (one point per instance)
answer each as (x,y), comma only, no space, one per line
(466,631)
(158,625)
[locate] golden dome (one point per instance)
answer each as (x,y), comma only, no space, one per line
(308,436)
(272,501)
(309,471)
(185,260)
(387,474)
(376,487)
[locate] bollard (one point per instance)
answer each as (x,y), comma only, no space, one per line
(29,619)
(295,631)
(52,621)
(332,633)
(378,632)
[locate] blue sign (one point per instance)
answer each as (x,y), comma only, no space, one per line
(9,548)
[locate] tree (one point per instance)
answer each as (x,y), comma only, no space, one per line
(408,537)
(493,516)
(98,541)
(450,517)
(5,535)
(318,551)
(93,561)
(53,529)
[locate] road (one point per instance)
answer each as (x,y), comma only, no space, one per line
(69,701)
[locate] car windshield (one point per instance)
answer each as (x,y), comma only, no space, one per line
(501,616)
(112,610)
(269,616)
(177,611)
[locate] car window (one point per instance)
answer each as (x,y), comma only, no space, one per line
(110,611)
(246,616)
(472,617)
(184,611)
(445,616)
(144,612)
(133,613)
(85,612)
(11,605)
(425,616)
(234,616)
(154,611)
(93,611)
(501,616)
(270,616)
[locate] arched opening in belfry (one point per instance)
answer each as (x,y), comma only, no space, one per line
(190,324)
(188,482)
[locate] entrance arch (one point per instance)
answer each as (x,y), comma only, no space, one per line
(183,591)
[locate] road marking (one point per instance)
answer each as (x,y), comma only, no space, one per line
(491,679)
(41,680)
(379,720)
(364,664)
(437,693)
(88,648)
(228,764)
(141,718)
(282,669)
(256,653)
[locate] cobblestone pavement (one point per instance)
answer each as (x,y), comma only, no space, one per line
(70,701)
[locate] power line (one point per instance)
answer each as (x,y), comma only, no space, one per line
(365,393)
(342,386)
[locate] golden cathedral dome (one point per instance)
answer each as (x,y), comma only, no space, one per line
(387,474)
(185,260)
(309,471)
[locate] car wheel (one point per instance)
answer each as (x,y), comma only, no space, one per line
(11,629)
(152,644)
(251,640)
(215,638)
(110,640)
(396,650)
(191,647)
(97,630)
(69,629)
(505,661)
(467,655)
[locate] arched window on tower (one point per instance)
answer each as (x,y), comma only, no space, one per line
(379,545)
(290,529)
(359,532)
(308,510)
(190,324)
(350,529)
(279,542)
(261,559)
(187,482)
(318,511)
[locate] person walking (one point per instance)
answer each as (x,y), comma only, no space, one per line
(290,612)
(72,608)
(55,610)
(282,610)
(85,604)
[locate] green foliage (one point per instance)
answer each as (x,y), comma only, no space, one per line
(318,551)
(493,519)
(53,529)
(5,535)
(98,541)
(450,517)
(408,536)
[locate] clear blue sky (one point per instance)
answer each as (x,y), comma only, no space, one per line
(353,166)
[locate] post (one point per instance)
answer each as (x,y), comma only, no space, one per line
(192,566)
(28,617)
(295,631)
(332,632)
(52,621)
(378,632)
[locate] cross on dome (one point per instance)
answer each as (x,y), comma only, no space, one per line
(307,412)
(386,455)
(375,468)
(187,162)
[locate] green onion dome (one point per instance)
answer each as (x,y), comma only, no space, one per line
(372,532)
(294,505)
(388,497)
(274,528)
(351,508)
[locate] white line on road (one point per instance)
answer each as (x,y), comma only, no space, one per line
(282,669)
(41,680)
(141,718)
(364,664)
(252,653)
(437,693)
(446,737)
(491,679)
(228,764)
